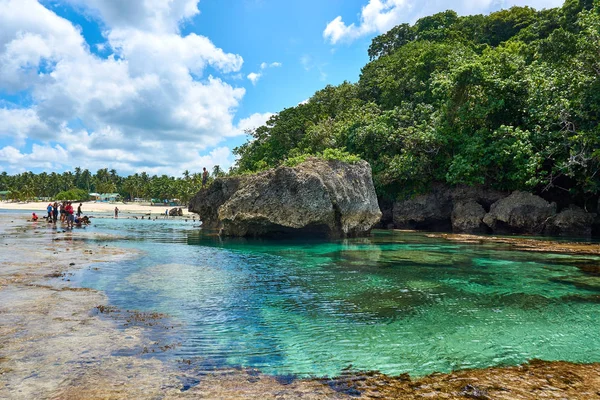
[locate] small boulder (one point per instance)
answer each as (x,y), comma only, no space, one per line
(572,221)
(467,217)
(176,212)
(520,212)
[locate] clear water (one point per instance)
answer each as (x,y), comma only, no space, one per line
(395,302)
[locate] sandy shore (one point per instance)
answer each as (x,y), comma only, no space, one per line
(60,341)
(93,207)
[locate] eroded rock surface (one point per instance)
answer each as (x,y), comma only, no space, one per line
(467,217)
(316,197)
(430,211)
(207,201)
(447,208)
(571,221)
(520,213)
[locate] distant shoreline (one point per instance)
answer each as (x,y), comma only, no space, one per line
(91,207)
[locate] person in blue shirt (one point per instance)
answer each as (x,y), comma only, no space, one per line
(49,209)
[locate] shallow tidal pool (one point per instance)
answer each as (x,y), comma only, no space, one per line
(394,302)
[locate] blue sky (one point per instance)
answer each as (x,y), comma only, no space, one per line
(167,85)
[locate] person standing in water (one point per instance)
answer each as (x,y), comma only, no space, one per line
(55,212)
(79,210)
(70,218)
(116,212)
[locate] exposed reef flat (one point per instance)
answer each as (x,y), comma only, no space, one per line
(538,245)
(60,341)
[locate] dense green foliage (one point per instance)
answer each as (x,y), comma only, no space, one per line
(327,154)
(510,100)
(28,185)
(74,195)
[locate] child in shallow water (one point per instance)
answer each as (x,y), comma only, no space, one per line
(34,217)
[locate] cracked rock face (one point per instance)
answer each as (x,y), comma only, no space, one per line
(520,213)
(317,197)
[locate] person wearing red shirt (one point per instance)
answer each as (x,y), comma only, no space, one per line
(70,216)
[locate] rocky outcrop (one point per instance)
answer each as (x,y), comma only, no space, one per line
(474,209)
(520,213)
(207,201)
(447,209)
(572,221)
(430,211)
(467,217)
(317,197)
(176,212)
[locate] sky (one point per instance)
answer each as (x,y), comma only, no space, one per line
(164,86)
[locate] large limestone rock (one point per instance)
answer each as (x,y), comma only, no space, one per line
(572,221)
(520,213)
(316,197)
(467,217)
(207,201)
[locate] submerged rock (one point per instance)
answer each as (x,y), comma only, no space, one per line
(571,221)
(330,198)
(520,213)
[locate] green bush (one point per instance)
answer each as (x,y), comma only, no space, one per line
(73,195)
(327,154)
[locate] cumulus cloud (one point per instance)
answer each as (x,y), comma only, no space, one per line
(148,104)
(379,16)
(254,121)
(150,15)
(254,77)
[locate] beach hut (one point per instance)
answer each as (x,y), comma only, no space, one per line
(95,196)
(4,195)
(110,197)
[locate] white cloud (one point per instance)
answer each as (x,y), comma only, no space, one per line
(254,121)
(379,16)
(264,65)
(254,77)
(306,62)
(150,104)
(150,15)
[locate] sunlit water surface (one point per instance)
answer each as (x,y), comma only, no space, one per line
(394,302)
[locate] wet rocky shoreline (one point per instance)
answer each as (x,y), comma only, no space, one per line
(59,341)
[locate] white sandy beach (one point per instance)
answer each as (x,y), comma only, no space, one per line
(93,207)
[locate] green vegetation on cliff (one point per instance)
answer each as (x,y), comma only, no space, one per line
(510,100)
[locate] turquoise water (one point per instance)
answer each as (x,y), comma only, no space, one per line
(394,302)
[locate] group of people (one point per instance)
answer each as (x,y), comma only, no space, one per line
(67,214)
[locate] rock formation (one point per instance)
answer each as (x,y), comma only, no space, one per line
(459,209)
(520,213)
(176,212)
(467,217)
(317,197)
(427,211)
(572,221)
